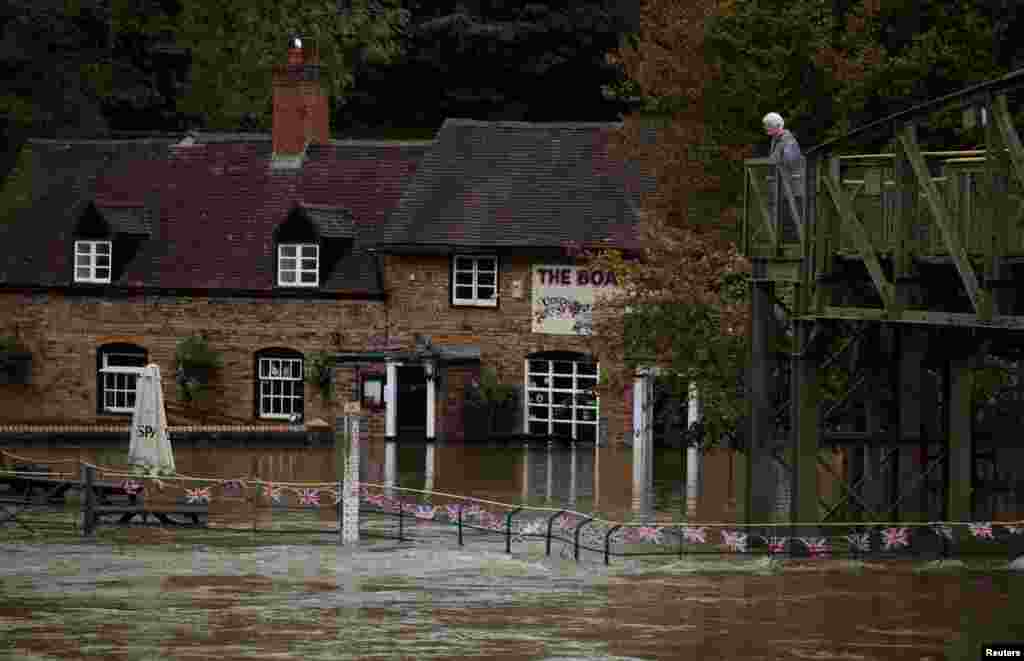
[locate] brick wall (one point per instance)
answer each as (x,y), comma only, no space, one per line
(420,303)
(64,333)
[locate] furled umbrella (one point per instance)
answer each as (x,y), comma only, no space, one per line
(150,447)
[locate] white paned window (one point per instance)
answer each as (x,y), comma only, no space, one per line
(119,374)
(298,265)
(562,398)
(92,261)
(280,382)
(475,281)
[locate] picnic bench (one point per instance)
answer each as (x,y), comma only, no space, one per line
(26,487)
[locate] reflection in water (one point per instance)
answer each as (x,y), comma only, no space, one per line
(390,467)
(615,483)
(692,455)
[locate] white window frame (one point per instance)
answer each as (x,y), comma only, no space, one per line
(298,270)
(291,389)
(475,273)
(109,374)
(541,392)
(88,256)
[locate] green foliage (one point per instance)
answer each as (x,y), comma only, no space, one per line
(195,351)
(320,373)
(235,43)
(11,344)
(489,391)
(697,352)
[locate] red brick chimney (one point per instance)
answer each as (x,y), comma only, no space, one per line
(300,105)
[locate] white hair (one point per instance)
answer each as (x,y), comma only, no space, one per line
(773,120)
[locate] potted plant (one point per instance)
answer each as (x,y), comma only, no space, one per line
(486,397)
(320,374)
(196,361)
(15,361)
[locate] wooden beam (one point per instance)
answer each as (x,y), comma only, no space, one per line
(979,297)
(1001,117)
(763,207)
(856,231)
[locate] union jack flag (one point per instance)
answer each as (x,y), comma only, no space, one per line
(942,531)
(232,487)
(736,541)
(777,544)
(567,522)
(309,497)
(452,511)
(132,487)
(861,542)
(535,527)
(630,535)
(425,511)
(489,520)
(201,495)
(981,530)
(695,535)
(472,510)
(895,538)
(272,492)
(649,534)
(817,546)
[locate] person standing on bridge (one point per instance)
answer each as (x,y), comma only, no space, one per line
(785,152)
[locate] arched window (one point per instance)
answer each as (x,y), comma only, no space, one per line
(279,381)
(117,370)
(561,394)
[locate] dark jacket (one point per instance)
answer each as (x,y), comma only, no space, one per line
(786,152)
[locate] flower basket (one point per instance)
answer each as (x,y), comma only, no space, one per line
(320,374)
(196,364)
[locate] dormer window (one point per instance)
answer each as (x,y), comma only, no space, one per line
(92,261)
(298,265)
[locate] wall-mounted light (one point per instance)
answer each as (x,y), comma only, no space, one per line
(428,371)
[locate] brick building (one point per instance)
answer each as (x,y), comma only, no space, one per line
(413,265)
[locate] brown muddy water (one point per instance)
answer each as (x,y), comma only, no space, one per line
(154,593)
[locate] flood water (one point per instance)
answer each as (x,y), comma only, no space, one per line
(148,593)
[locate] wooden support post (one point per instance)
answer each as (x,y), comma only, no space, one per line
(910,356)
(806,429)
(873,490)
(960,461)
(88,497)
(758,491)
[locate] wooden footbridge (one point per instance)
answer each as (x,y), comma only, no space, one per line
(882,303)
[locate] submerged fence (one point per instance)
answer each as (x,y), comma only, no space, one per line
(107,493)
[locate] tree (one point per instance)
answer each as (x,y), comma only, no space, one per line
(532,61)
(682,304)
(703,74)
(234,45)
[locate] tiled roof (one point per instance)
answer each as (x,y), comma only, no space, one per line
(519,185)
(209,205)
(129,218)
(332,222)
